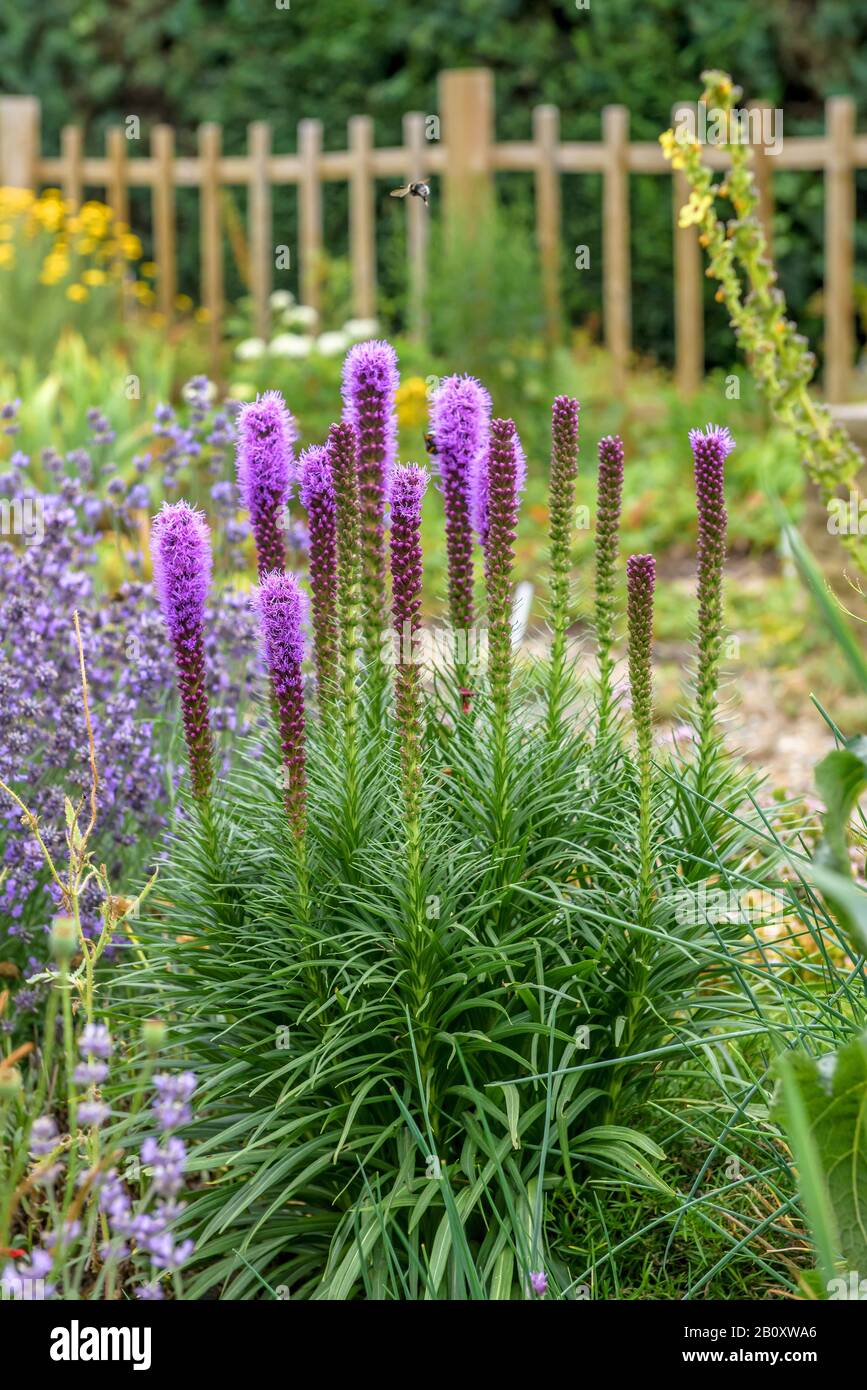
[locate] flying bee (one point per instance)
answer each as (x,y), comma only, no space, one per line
(418,190)
(430,443)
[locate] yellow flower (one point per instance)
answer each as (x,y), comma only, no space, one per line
(203,315)
(86,246)
(149,269)
(77,293)
(130,246)
(143,293)
(694,212)
(94,277)
(183,303)
(411,401)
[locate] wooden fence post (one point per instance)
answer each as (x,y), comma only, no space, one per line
(688,288)
(259,225)
(466,102)
(839,247)
(417,224)
(763,170)
(546,132)
(163,154)
(362,221)
(115,152)
(210,142)
(19,141)
(617,287)
(72,183)
(309,210)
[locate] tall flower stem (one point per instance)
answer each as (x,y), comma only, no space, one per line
(564,471)
(342,449)
(266,434)
(370,381)
(407,490)
(280,605)
(181,551)
(460,420)
(710,448)
(609,491)
(640,583)
(318,499)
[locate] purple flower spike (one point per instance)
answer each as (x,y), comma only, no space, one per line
(460,416)
(609,490)
(370,381)
(281,607)
(539,1282)
(266,434)
(320,502)
(408,485)
(710,449)
(181,551)
(640,584)
(564,471)
(498,478)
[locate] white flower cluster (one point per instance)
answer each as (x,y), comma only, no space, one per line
(300,338)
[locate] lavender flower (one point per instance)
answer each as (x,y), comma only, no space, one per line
(92,1112)
(94,1040)
(266,434)
(408,485)
(564,471)
(370,381)
(710,449)
(180,543)
(167,1163)
(319,500)
(43,1136)
(498,478)
(460,416)
(609,488)
(281,606)
(173,1094)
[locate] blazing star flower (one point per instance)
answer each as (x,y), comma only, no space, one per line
(370,381)
(408,485)
(498,478)
(609,489)
(181,549)
(320,502)
(281,607)
(640,583)
(539,1281)
(266,434)
(460,419)
(710,449)
(564,471)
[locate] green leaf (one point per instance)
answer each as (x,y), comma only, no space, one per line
(841,777)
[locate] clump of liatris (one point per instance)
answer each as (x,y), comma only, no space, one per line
(497,480)
(370,381)
(181,551)
(460,419)
(408,485)
(564,471)
(710,448)
(318,499)
(266,434)
(609,490)
(280,605)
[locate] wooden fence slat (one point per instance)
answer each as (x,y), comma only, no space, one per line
(259,225)
(162,153)
(688,288)
(546,130)
(210,141)
(19,141)
(417,167)
(362,220)
(116,185)
(309,211)
(763,169)
(616,276)
(466,101)
(72,154)
(839,247)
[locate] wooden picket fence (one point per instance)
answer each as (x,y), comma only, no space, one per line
(467,156)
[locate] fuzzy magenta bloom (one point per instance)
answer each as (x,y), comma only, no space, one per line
(564,471)
(281,607)
(266,434)
(710,449)
(408,484)
(609,491)
(498,477)
(319,500)
(181,552)
(460,417)
(370,381)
